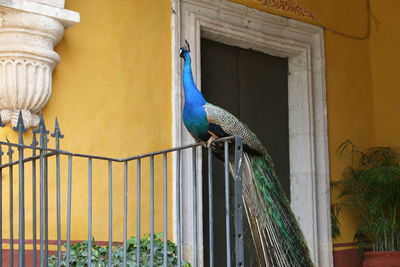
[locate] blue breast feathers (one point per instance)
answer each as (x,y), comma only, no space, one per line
(194,115)
(195,120)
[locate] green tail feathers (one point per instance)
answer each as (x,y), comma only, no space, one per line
(271,219)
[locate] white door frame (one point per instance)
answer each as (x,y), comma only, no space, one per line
(303,45)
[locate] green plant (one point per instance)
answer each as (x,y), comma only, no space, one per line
(371,189)
(79,254)
(335,223)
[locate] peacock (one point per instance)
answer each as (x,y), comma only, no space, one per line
(275,231)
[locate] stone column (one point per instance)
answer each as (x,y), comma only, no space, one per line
(29,30)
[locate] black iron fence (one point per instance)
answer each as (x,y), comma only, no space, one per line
(35,160)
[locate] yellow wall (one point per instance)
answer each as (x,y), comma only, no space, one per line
(112,92)
(350,106)
(112,96)
(385,57)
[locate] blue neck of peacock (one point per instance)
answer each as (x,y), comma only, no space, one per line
(192,95)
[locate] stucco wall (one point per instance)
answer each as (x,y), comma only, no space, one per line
(385,56)
(112,96)
(112,93)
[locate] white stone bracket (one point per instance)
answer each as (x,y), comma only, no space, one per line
(29,31)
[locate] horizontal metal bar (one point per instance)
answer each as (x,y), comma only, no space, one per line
(162,152)
(26,160)
(63,152)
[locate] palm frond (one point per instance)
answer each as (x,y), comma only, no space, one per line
(370,187)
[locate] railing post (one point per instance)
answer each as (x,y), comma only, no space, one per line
(125,219)
(210,206)
(110,212)
(69,203)
(178,205)
(43,193)
(239,247)
(34,238)
(11,204)
(57,135)
(165,177)
(1,201)
(151,211)
(21,184)
(138,215)
(227,205)
(90,211)
(195,213)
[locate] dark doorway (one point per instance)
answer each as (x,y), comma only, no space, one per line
(254,87)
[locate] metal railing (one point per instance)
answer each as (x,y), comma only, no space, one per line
(39,163)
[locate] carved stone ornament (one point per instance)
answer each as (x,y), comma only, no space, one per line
(29,30)
(290,6)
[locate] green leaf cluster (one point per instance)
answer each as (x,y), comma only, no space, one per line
(79,253)
(371,189)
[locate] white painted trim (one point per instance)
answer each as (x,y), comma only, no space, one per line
(303,45)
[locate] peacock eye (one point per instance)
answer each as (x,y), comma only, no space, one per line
(180,51)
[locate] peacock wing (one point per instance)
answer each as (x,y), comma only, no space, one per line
(218,118)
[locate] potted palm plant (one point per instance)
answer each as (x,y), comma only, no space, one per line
(371,188)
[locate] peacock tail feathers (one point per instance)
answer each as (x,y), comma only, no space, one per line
(273,225)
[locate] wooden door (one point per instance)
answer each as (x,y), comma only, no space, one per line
(254,87)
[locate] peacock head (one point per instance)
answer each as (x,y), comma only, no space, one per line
(184,52)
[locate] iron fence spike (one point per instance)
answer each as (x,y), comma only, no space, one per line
(43,132)
(20,123)
(41,122)
(57,131)
(41,126)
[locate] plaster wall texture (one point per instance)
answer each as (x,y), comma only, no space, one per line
(385,55)
(112,96)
